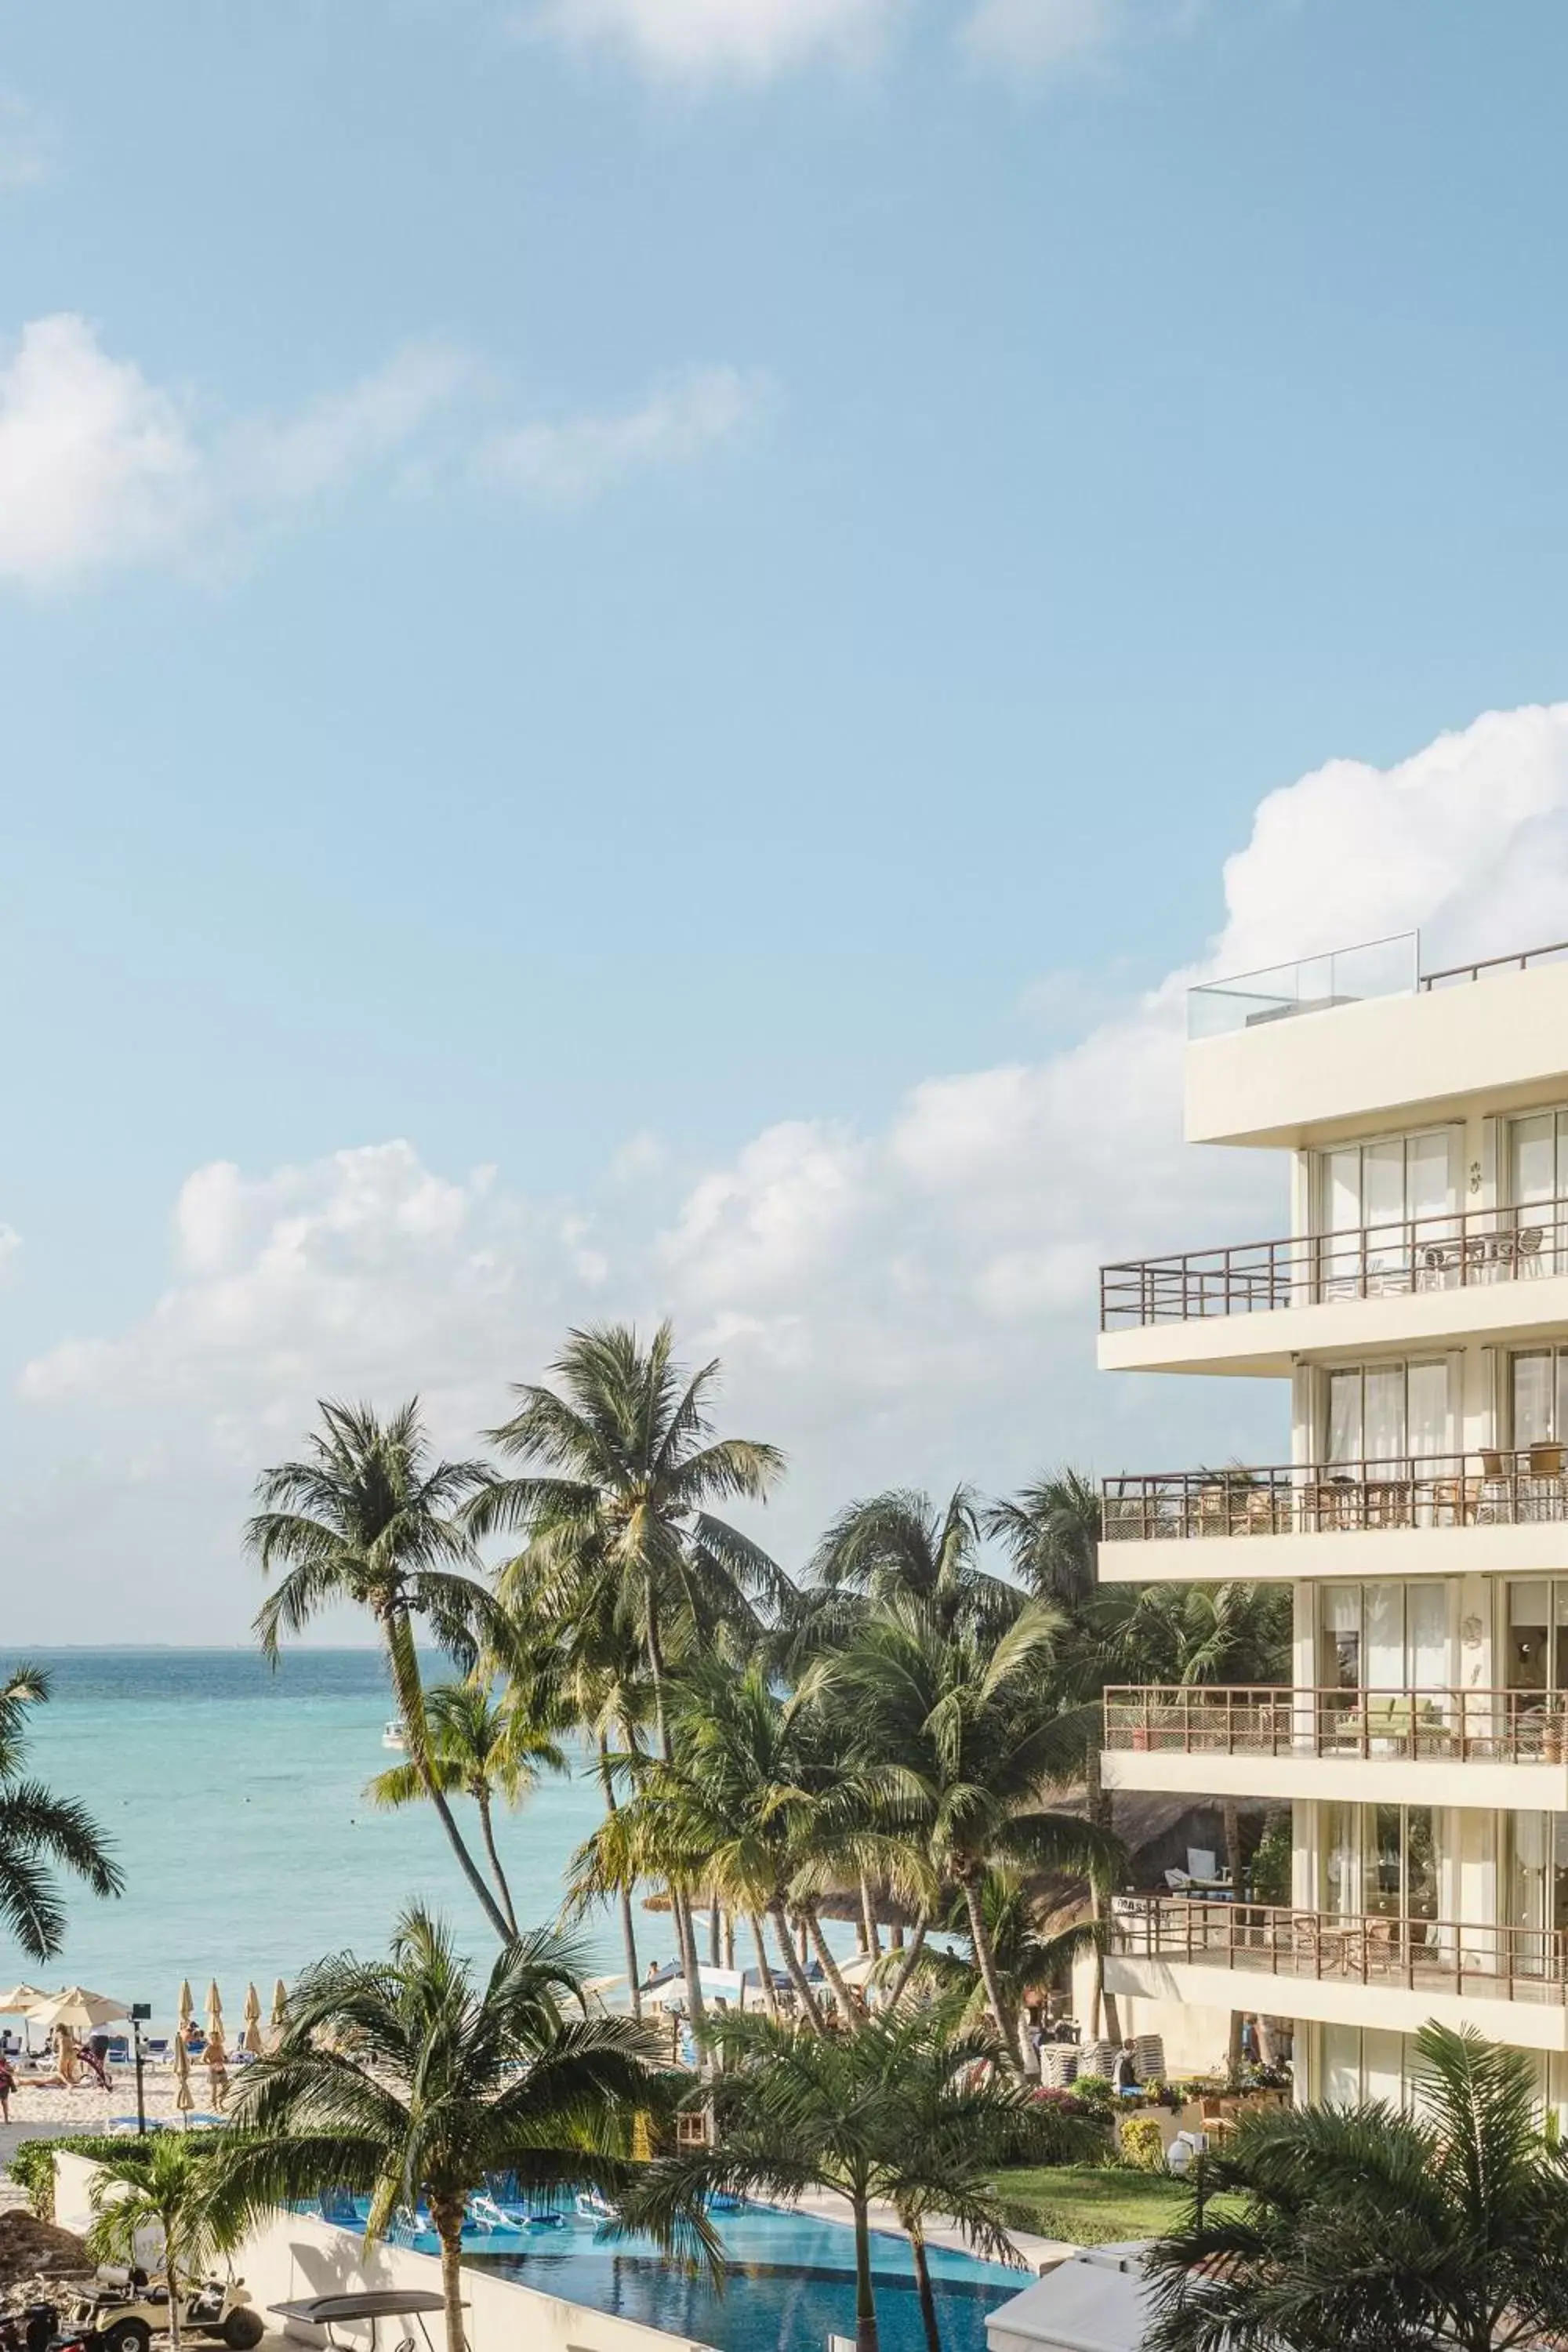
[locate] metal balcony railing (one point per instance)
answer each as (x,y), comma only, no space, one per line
(1459,1250)
(1495,1727)
(1457,973)
(1482,1489)
(1371,1948)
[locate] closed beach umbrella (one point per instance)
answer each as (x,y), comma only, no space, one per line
(187,2006)
(82,2010)
(215,2011)
(184,2098)
(252,2038)
(279,2017)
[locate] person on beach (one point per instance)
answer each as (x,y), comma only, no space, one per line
(67,2057)
(95,2058)
(8,2084)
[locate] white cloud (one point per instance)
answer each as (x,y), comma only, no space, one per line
(706,40)
(575,459)
(913,1302)
(101,469)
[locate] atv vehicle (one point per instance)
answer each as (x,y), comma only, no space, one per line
(122,2310)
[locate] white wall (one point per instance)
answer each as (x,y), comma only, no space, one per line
(294,2256)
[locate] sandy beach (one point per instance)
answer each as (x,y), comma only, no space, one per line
(87,2108)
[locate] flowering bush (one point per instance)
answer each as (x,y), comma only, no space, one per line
(1142,2146)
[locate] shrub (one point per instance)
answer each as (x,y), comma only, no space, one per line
(1096,2094)
(1142,2148)
(33,2164)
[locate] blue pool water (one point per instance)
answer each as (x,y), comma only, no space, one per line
(790,2281)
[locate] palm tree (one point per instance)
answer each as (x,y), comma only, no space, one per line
(958,1738)
(408,2080)
(367,1517)
(163,2185)
(621,1474)
(1362,2229)
(1050,1531)
(898,1544)
(1027,1963)
(896,2109)
(40,1833)
(480,1749)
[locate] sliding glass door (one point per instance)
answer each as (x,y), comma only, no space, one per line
(1380,1204)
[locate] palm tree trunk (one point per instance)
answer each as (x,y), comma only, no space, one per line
(868,1919)
(628,1925)
(486,1830)
(1231,1817)
(764,1966)
(714,1946)
(451,2236)
(986,1960)
(403,1663)
(864,2298)
(911,1960)
(830,1969)
(679,1905)
(924,2287)
(1106,2020)
(797,1975)
(171,2278)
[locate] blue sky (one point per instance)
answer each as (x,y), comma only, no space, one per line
(586,587)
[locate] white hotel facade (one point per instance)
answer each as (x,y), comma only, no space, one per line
(1416,1316)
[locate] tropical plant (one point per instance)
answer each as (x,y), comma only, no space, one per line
(1050,1531)
(898,1546)
(1027,1963)
(959,1742)
(478,1748)
(406,2079)
(615,1502)
(40,1833)
(160,2185)
(899,2107)
(366,1518)
(1365,2230)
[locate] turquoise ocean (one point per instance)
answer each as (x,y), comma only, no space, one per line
(234,1797)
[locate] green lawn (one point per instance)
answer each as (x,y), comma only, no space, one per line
(1091,2204)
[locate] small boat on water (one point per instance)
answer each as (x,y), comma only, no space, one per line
(394,1735)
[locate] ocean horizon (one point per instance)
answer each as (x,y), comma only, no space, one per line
(233,1794)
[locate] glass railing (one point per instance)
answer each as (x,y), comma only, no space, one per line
(1389,967)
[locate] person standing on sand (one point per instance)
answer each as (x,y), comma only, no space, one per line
(8,2084)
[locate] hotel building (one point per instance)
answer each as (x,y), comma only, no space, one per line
(1415,1315)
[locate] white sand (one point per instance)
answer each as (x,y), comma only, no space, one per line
(87,2108)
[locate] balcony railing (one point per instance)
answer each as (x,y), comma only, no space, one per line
(1371,1949)
(1311,984)
(1454,1490)
(1494,1726)
(1459,1250)
(1457,973)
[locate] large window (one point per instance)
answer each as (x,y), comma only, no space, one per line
(1538,1159)
(1537,1890)
(1388,1637)
(1535,1650)
(1379,1414)
(1538,1396)
(1381,1861)
(1363,2063)
(1380,1202)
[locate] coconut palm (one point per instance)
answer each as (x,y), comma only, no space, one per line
(481,1747)
(367,1517)
(409,2081)
(40,1833)
(162,2186)
(959,1742)
(1050,1532)
(621,1474)
(1027,1962)
(899,1545)
(896,2108)
(1363,2230)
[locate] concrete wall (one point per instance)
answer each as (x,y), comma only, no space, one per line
(294,2256)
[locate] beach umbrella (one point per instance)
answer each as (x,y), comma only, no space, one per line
(187,2006)
(82,2010)
(21,1998)
(215,2012)
(279,2017)
(252,2038)
(184,2098)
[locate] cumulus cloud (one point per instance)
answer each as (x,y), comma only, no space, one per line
(578,458)
(706,40)
(911,1302)
(101,469)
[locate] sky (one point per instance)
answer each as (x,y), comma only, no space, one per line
(641,642)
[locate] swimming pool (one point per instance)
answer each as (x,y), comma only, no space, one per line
(790,2281)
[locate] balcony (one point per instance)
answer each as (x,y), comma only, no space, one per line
(1499,1749)
(1371,1968)
(1311,984)
(1490,1510)
(1259,1303)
